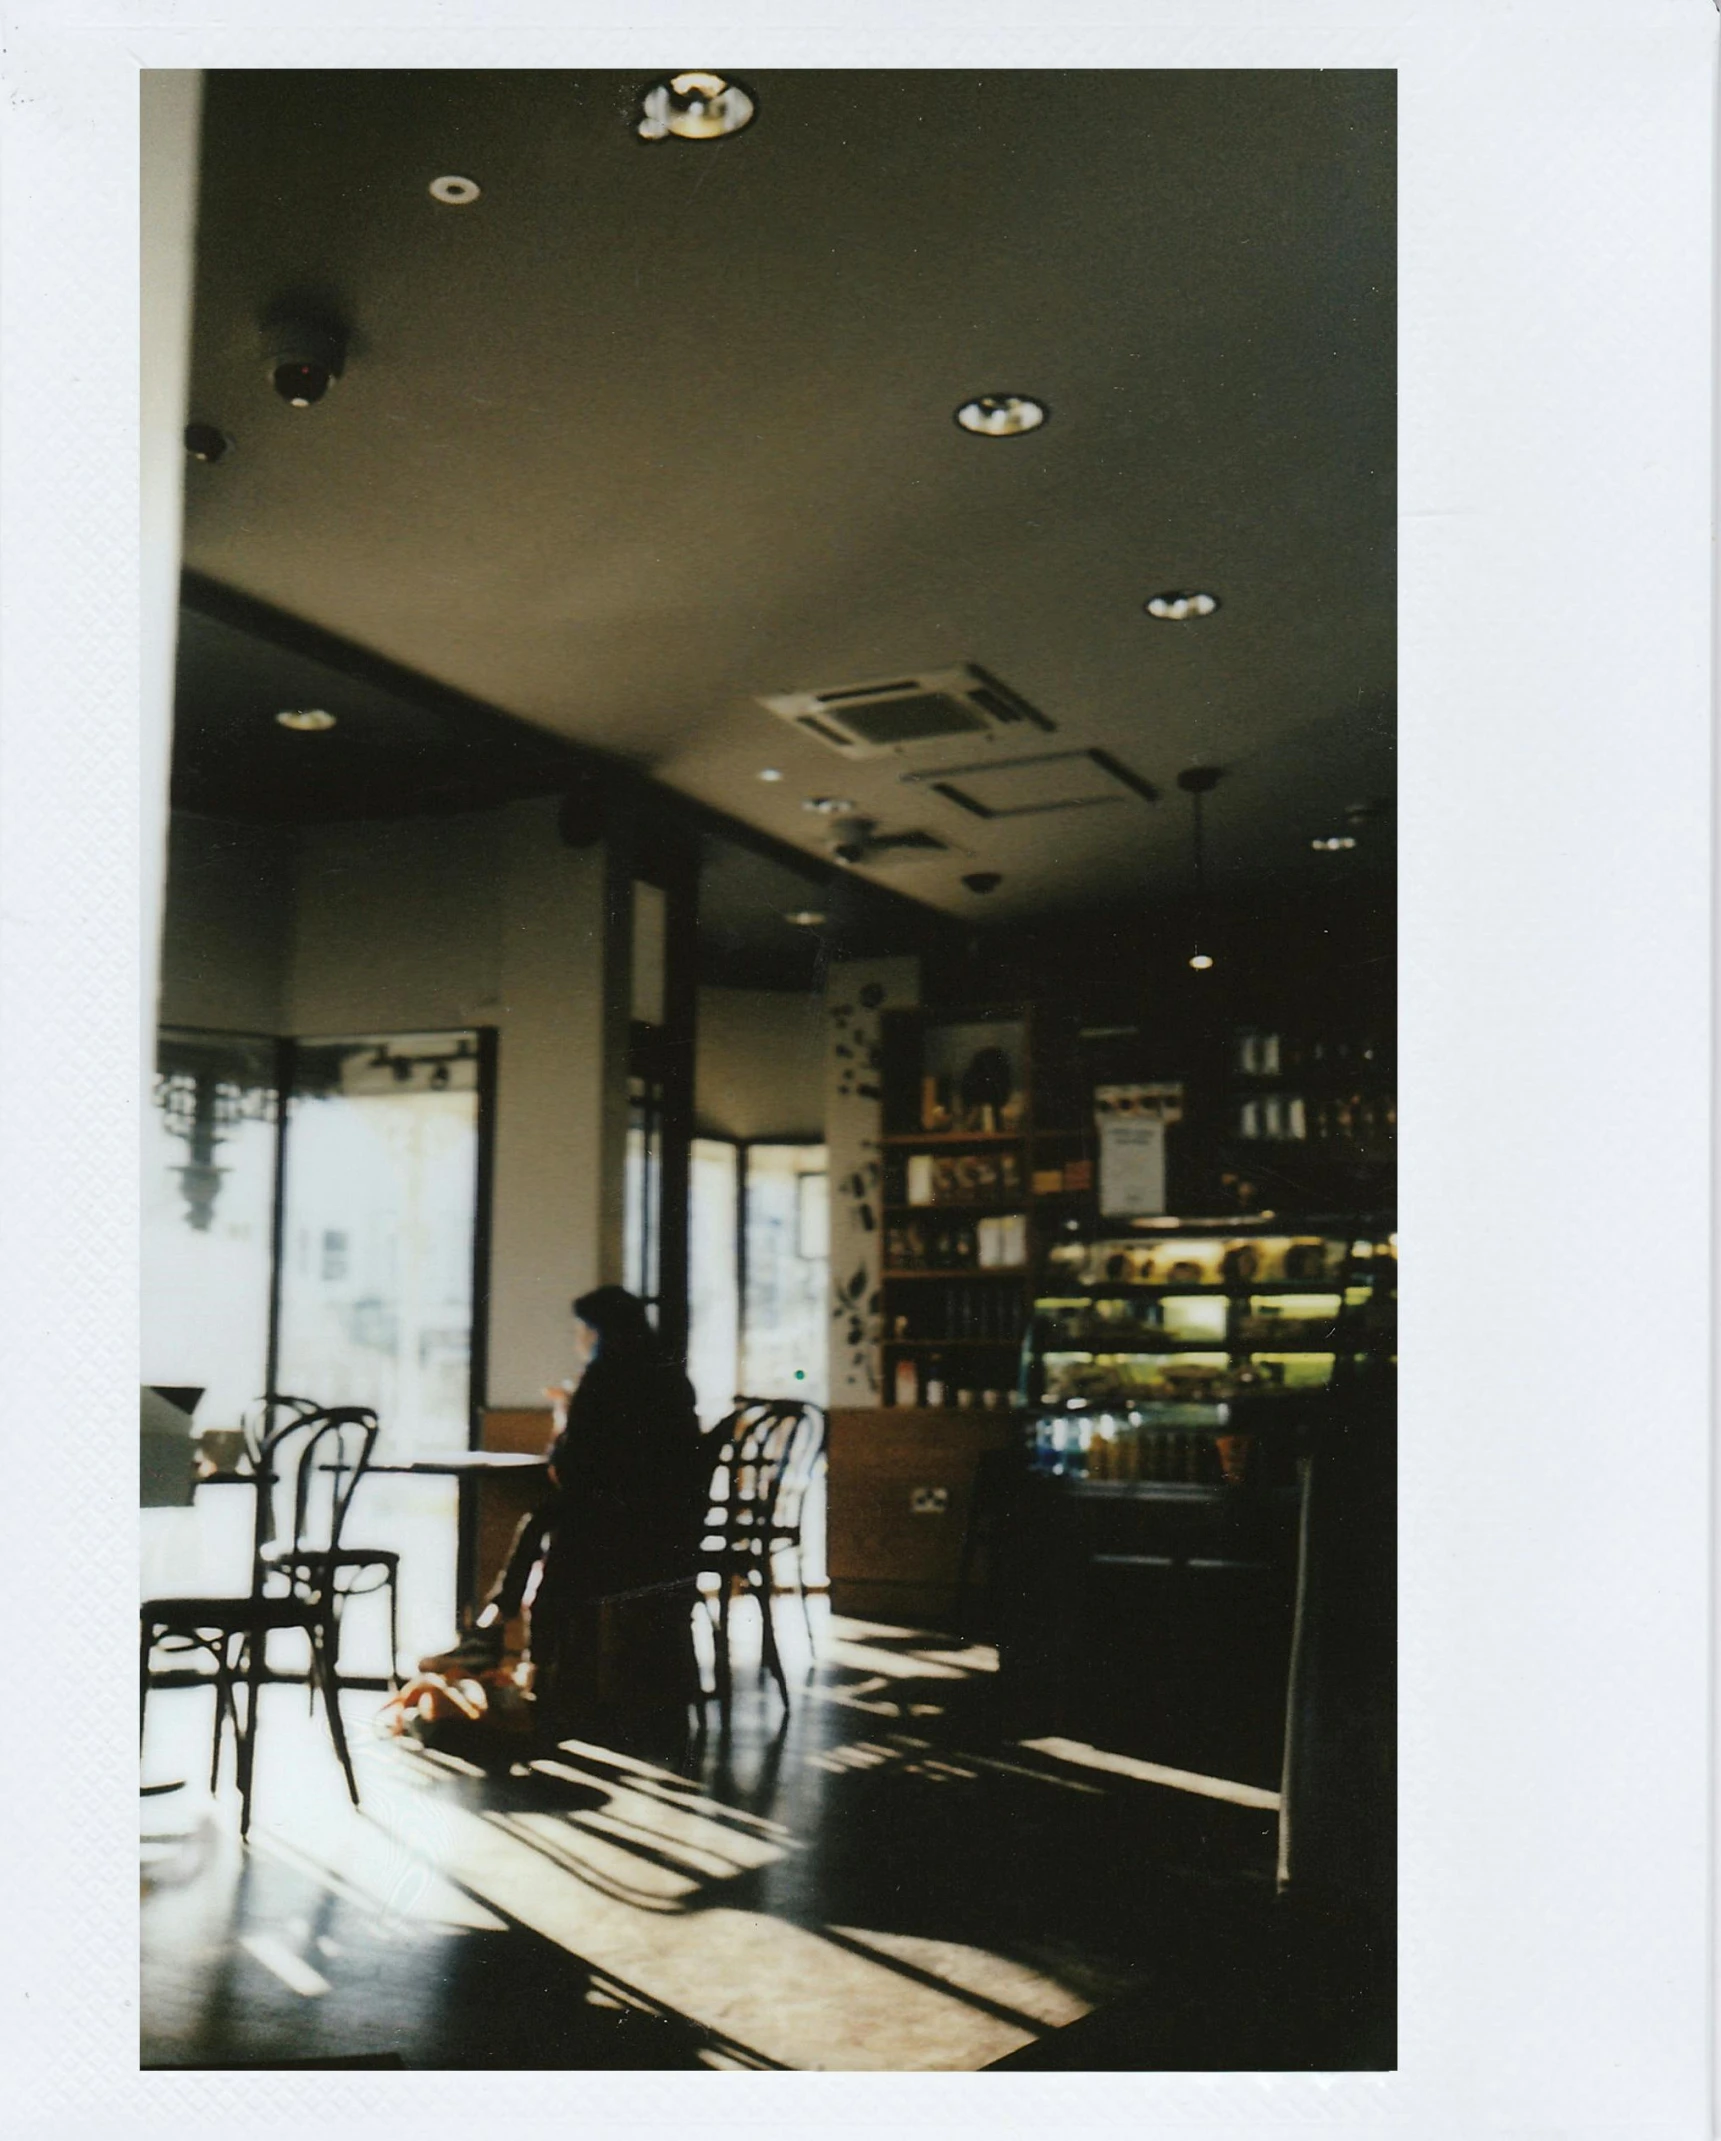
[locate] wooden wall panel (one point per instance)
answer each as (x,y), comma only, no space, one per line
(881,1554)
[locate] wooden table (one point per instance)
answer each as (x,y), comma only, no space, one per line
(497,1488)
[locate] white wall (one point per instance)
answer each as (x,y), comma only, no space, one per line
(169,114)
(417,924)
(227,926)
(759,1064)
(486,920)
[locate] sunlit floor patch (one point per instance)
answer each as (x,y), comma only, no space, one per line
(1036,1776)
(844,1887)
(612,1869)
(844,1628)
(995,1978)
(972,1658)
(779,1989)
(733,1837)
(891,1664)
(1177,1780)
(275,1956)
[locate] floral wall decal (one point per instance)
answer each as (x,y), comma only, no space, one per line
(857,996)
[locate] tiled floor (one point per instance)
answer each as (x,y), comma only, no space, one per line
(896,1876)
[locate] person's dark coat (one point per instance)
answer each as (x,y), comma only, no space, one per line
(633,1475)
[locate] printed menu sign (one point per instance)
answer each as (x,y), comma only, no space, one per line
(1132,1166)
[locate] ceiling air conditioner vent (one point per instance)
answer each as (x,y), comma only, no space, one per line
(904,713)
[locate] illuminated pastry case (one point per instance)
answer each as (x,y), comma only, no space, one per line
(1184,1354)
(1177,1378)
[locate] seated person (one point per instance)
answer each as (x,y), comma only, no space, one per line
(628,1481)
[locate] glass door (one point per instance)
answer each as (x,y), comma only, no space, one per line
(377,1234)
(208,1218)
(376,1291)
(785,1244)
(785,1241)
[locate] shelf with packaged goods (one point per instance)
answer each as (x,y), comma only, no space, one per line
(1002,1414)
(1128,1289)
(953,1137)
(964,1271)
(951,1204)
(945,1345)
(1248,1349)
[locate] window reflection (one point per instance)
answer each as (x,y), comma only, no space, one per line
(787,1251)
(714,1302)
(208,1209)
(376,1271)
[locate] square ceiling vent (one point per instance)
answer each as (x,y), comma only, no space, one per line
(905,714)
(1028,787)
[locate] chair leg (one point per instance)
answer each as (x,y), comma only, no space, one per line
(768,1628)
(806,1609)
(311,1680)
(223,1704)
(323,1672)
(393,1632)
(724,1670)
(146,1644)
(255,1657)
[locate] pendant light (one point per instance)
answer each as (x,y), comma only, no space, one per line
(1196,782)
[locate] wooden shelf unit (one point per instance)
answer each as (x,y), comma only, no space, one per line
(911,1056)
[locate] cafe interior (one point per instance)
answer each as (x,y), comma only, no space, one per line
(783,697)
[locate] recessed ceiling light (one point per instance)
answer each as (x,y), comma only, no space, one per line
(307,720)
(770,773)
(830,806)
(694,107)
(1333,846)
(453,191)
(1174,608)
(1002,416)
(1201,961)
(806,918)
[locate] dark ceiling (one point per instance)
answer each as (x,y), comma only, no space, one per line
(649,431)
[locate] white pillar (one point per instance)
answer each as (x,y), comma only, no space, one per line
(857,995)
(169,118)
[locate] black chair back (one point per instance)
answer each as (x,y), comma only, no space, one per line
(331,1460)
(801,1462)
(270,1417)
(768,1449)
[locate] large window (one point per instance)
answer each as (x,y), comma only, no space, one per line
(208,1217)
(370,1191)
(714,1305)
(760,1228)
(785,1289)
(642,1191)
(377,1233)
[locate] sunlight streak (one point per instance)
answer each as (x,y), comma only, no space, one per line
(279,1959)
(1177,1780)
(997,1978)
(766,1986)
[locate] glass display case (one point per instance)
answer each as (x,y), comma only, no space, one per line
(1192,1355)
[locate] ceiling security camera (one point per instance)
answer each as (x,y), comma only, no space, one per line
(853,841)
(304,358)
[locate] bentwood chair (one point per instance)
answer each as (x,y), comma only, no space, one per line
(333,1565)
(332,1451)
(768,1450)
